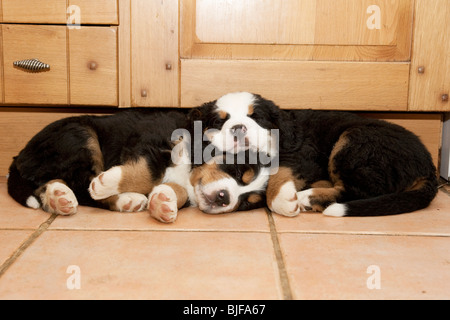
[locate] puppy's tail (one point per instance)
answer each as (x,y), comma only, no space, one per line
(21,189)
(415,199)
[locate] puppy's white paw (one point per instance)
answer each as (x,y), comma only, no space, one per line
(131,202)
(106,184)
(304,199)
(60,199)
(286,202)
(163,204)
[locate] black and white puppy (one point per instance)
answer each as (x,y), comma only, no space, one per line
(333,162)
(125,162)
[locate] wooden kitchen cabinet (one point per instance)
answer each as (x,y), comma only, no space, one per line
(430,66)
(60,11)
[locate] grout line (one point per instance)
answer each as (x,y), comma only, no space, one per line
(284,279)
(42,228)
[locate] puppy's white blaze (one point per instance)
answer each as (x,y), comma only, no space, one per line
(32,202)
(336,210)
(235,104)
(258,184)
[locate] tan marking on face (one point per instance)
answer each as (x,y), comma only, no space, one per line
(223,115)
(207,173)
(251,109)
(136,177)
(254,198)
(248,176)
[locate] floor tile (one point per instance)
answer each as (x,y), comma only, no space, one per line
(434,220)
(352,266)
(189,219)
(10,241)
(15,216)
(144,265)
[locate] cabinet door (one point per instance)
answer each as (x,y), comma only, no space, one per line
(430,67)
(48,45)
(154,50)
(360,30)
(93,66)
(34,11)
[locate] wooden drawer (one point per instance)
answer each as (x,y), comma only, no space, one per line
(46,43)
(83,65)
(299,84)
(60,11)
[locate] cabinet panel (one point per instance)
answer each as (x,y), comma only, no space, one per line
(1,66)
(93,66)
(299,84)
(154,50)
(430,67)
(97,12)
(46,43)
(34,11)
(60,11)
(327,22)
(360,30)
(19,127)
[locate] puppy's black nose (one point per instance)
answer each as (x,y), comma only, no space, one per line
(238,131)
(222,198)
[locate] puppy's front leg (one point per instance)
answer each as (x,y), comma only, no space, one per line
(282,192)
(133,176)
(165,200)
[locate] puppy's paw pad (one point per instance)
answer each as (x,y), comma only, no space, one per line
(131,202)
(163,204)
(60,199)
(286,202)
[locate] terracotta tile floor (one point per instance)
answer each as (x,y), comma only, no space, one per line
(98,254)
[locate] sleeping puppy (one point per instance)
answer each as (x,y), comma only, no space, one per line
(116,162)
(333,162)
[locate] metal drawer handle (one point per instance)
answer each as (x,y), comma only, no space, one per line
(32,65)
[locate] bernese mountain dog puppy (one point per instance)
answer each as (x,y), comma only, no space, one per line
(332,162)
(128,162)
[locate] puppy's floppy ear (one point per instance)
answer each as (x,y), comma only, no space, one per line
(203,112)
(270,109)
